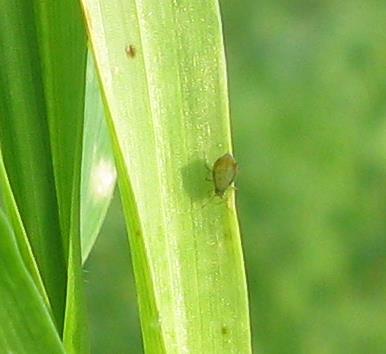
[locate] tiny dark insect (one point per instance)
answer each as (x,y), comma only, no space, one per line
(224,330)
(224,172)
(130,51)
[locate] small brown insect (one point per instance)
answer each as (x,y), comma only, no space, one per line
(224,172)
(130,51)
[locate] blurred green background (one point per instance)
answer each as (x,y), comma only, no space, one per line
(308,99)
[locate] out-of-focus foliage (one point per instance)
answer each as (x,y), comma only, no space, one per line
(308,99)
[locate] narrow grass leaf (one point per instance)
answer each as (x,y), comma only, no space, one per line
(162,69)
(21,237)
(63,56)
(25,323)
(25,146)
(98,167)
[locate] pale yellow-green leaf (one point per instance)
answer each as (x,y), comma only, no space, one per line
(98,167)
(162,70)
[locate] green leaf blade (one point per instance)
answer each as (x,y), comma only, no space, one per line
(169,117)
(26,148)
(25,322)
(23,243)
(98,167)
(63,49)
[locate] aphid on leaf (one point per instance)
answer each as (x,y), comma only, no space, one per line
(224,172)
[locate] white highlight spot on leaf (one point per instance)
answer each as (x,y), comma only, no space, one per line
(103,178)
